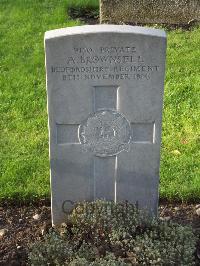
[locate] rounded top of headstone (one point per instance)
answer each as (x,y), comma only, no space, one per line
(103,28)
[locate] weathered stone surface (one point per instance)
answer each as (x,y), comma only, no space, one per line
(150,11)
(3,232)
(105,90)
(198,211)
(36,216)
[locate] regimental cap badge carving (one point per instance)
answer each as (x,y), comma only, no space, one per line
(105,133)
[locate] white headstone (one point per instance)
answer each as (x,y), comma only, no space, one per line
(105,91)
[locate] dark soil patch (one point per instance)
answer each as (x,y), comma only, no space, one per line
(23,229)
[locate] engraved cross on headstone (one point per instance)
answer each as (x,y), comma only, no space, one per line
(105,164)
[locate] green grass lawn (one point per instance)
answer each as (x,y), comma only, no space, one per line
(83,4)
(180,175)
(24,165)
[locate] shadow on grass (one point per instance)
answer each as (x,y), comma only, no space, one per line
(84,10)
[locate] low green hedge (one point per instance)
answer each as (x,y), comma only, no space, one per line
(105,233)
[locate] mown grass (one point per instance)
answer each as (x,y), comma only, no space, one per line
(24,165)
(180,175)
(83,4)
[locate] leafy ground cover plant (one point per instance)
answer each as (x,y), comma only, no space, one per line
(105,233)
